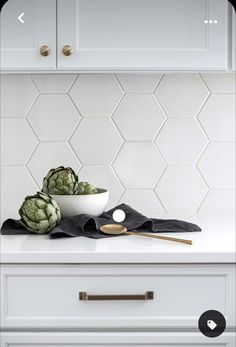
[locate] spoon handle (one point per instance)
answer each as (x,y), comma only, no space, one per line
(168,238)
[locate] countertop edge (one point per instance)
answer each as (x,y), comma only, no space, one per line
(116,258)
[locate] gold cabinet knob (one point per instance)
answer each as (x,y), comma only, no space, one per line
(45,51)
(67,50)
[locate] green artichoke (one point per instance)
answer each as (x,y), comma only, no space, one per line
(61,181)
(39,213)
(86,188)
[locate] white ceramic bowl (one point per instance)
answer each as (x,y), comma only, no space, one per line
(93,204)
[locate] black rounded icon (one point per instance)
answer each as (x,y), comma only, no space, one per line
(212,323)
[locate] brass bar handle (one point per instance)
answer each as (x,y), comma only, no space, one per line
(84,296)
(45,51)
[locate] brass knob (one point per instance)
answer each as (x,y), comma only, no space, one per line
(67,50)
(45,51)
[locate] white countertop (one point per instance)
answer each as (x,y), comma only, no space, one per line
(215,244)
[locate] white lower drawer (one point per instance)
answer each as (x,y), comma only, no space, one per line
(48,296)
(114,340)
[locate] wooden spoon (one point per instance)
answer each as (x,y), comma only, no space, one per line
(118,229)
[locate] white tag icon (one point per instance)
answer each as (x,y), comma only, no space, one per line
(211,324)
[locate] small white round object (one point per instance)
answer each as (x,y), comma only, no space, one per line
(118,216)
(210,21)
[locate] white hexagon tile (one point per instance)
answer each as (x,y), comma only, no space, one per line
(218,117)
(181,95)
(220,82)
(139,117)
(103,176)
(53,84)
(18,93)
(217,165)
(16,184)
(144,201)
(50,155)
(53,117)
(139,165)
(96,95)
(181,189)
(96,141)
(139,83)
(162,143)
(181,141)
(218,201)
(15,149)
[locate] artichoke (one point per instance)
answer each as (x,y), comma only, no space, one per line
(39,213)
(61,181)
(86,188)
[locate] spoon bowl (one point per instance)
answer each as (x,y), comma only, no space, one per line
(113,229)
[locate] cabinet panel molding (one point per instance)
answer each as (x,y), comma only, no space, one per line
(48,296)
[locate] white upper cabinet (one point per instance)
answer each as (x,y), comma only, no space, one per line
(116,35)
(22,38)
(143,34)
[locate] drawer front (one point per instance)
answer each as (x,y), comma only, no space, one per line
(48,296)
(115,340)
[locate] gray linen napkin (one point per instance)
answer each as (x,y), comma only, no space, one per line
(86,225)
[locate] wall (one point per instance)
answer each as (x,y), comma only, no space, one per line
(162,143)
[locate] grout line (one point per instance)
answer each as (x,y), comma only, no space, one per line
(73,83)
(118,177)
(34,84)
(34,132)
(158,83)
(202,106)
(164,120)
(74,104)
(154,140)
(201,174)
(27,118)
(75,154)
(116,107)
(159,199)
(73,130)
(115,156)
(162,174)
(78,121)
(119,82)
(121,197)
(204,82)
(32,154)
(139,93)
(203,200)
(120,98)
(113,120)
(202,154)
(32,177)
(161,155)
(80,118)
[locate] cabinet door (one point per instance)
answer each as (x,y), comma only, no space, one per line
(21,41)
(143,34)
(134,339)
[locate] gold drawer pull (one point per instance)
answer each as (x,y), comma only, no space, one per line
(84,296)
(67,50)
(45,51)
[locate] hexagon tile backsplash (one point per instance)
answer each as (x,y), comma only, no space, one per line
(161,143)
